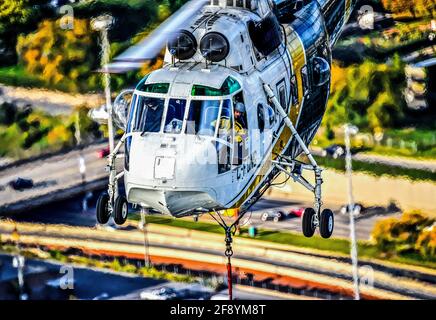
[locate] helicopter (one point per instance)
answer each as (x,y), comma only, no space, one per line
(241,94)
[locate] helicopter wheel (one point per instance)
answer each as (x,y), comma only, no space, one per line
(102,209)
(120,210)
(327,222)
(308,222)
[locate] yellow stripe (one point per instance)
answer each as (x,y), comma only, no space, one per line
(347,10)
(298,56)
(296,49)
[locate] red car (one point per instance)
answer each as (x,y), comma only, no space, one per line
(103,152)
(298,212)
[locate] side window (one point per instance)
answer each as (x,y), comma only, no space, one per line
(225,137)
(271,116)
(305,78)
(294,90)
(261,117)
(240,151)
(242,120)
(281,90)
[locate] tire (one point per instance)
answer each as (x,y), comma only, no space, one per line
(276,219)
(327,223)
(121,210)
(102,210)
(307,222)
(264,217)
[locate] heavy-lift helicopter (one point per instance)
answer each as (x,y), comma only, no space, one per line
(185,152)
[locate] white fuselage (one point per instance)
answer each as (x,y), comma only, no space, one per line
(178,173)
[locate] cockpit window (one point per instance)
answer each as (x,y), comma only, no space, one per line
(148,115)
(202,117)
(229,86)
(175,115)
(154,87)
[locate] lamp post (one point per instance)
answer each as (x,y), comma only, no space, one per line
(18,262)
(102,24)
(349,129)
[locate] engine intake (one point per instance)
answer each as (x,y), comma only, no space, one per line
(214,46)
(183,46)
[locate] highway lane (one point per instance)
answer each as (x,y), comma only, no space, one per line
(52,174)
(364,225)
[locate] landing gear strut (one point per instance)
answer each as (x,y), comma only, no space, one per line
(110,203)
(312,217)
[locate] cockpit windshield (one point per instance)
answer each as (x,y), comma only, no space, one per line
(175,115)
(202,117)
(154,110)
(148,115)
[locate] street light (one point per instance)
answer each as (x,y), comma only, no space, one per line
(102,24)
(19,263)
(350,129)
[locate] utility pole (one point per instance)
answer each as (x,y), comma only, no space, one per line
(103,24)
(19,263)
(349,129)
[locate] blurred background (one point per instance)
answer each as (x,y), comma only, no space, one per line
(52,161)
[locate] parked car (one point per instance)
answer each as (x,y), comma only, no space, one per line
(275,215)
(297,212)
(335,151)
(162,293)
(21,184)
(358,209)
(103,152)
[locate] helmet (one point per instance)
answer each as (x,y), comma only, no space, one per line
(240,107)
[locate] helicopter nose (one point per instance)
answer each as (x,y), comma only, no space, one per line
(176,203)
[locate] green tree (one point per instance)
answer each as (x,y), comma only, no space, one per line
(17,16)
(62,58)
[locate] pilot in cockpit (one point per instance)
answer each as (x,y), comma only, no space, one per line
(153,115)
(240,125)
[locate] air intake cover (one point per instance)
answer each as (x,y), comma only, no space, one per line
(183,46)
(214,46)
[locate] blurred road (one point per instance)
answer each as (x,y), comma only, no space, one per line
(52,102)
(70,213)
(411,163)
(364,226)
(52,174)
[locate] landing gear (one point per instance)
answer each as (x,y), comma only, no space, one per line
(110,203)
(326,223)
(308,222)
(120,210)
(312,218)
(102,210)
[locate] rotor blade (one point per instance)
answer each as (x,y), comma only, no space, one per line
(150,47)
(120,67)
